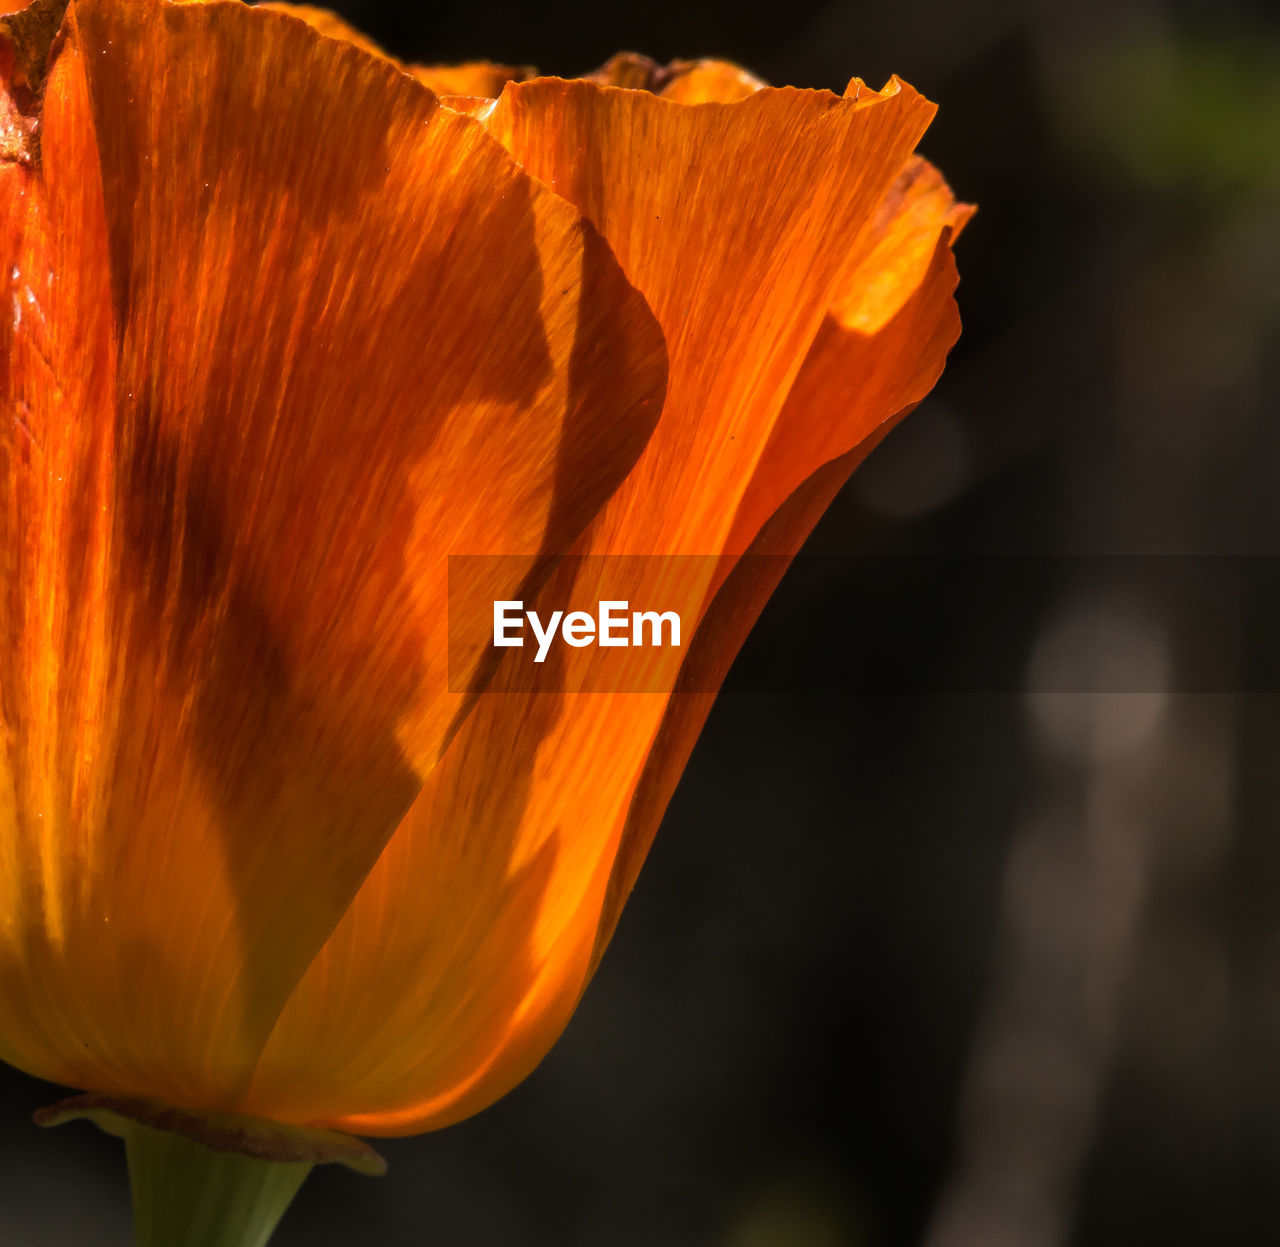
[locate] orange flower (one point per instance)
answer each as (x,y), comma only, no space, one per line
(282,331)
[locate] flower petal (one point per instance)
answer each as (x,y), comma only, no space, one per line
(328,24)
(855,386)
(710,82)
(880,349)
(474,935)
(736,235)
(349,336)
(475,79)
(57,379)
(481,79)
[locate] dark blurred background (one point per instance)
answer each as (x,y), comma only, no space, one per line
(963,929)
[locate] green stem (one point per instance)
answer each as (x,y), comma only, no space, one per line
(209,1179)
(186,1195)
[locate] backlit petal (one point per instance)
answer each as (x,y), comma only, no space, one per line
(473,937)
(342,335)
(881,347)
(478,79)
(330,25)
(865,372)
(708,81)
(736,235)
(472,78)
(57,448)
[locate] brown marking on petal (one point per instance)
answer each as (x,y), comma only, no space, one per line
(632,71)
(29,34)
(26,42)
(219,1132)
(685,81)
